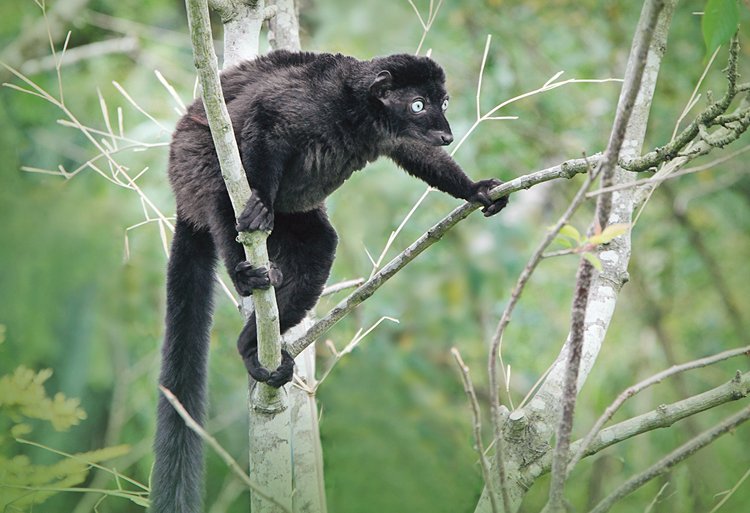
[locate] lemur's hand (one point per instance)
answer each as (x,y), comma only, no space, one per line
(481,195)
(277,378)
(255,216)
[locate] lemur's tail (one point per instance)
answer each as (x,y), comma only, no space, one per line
(177,479)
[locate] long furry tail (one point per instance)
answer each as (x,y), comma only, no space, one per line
(177,479)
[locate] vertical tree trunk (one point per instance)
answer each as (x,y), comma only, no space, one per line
(279,436)
(528,430)
(307,453)
(269,419)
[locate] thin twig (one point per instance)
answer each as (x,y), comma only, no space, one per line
(663,416)
(639,387)
(127,44)
(343,285)
(672,459)
(567,169)
(426,25)
(630,89)
(694,96)
(223,454)
(477,425)
(729,493)
(354,342)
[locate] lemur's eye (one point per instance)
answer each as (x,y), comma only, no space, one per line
(445,104)
(417,106)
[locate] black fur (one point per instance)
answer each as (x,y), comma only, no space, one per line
(304,123)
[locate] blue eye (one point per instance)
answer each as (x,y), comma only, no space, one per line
(445,104)
(417,106)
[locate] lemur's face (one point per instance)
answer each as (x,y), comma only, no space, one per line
(416,112)
(421,114)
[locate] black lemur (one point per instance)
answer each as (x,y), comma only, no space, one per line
(304,123)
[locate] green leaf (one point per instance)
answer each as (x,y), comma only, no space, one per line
(563,241)
(609,233)
(720,19)
(593,260)
(22,395)
(570,231)
(20,430)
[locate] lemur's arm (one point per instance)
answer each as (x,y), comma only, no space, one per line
(263,159)
(434,166)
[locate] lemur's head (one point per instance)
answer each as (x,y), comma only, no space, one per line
(412,90)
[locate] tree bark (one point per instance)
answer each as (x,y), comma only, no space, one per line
(528,430)
(270,444)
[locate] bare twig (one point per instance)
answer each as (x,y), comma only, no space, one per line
(127,44)
(630,90)
(354,342)
(639,387)
(567,169)
(426,24)
(729,493)
(223,454)
(672,459)
(343,285)
(477,425)
(694,97)
(662,417)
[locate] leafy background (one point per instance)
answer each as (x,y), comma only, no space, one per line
(394,420)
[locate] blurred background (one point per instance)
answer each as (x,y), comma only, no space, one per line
(83,295)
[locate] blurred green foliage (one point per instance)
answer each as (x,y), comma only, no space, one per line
(395,423)
(23,484)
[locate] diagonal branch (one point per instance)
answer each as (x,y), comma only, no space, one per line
(672,459)
(266,310)
(639,387)
(663,416)
(607,167)
(567,169)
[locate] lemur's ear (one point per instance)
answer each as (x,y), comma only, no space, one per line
(381,85)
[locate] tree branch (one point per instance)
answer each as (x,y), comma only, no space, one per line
(223,454)
(663,416)
(266,310)
(567,169)
(672,459)
(639,387)
(711,116)
(630,90)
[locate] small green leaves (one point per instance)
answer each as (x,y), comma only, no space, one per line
(22,395)
(593,260)
(568,237)
(609,233)
(576,244)
(569,230)
(720,19)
